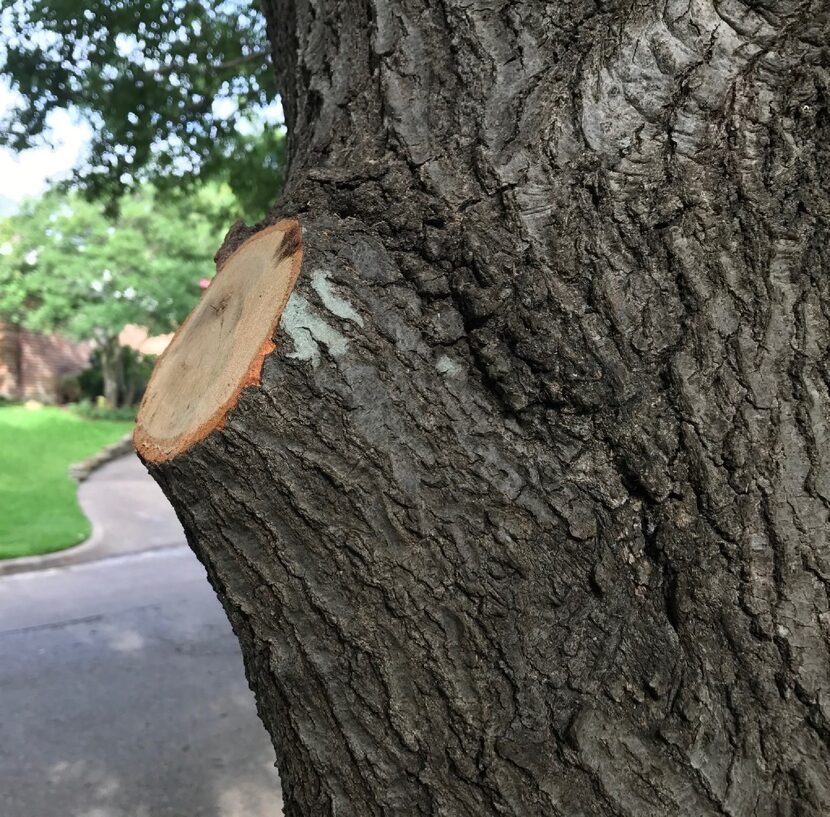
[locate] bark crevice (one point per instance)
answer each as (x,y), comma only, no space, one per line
(534,521)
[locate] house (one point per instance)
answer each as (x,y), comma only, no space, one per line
(33,364)
(138,338)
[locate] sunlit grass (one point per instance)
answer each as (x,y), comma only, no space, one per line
(39,509)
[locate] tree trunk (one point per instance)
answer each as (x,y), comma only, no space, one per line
(111,371)
(124,398)
(527,512)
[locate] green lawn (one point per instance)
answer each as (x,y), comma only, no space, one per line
(38,506)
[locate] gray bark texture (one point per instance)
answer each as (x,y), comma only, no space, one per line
(529,515)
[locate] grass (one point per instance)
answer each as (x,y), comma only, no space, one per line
(39,510)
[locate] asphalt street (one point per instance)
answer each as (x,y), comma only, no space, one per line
(122,694)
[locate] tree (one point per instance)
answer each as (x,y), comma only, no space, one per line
(66,265)
(525,511)
(175,91)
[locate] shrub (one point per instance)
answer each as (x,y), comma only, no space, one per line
(91,380)
(69,389)
(101,411)
(136,369)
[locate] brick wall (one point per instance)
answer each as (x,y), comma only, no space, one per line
(32,364)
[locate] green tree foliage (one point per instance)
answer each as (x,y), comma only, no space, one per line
(66,265)
(174,89)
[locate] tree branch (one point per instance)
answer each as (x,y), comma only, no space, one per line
(245,58)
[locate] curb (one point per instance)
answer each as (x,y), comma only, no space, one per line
(44,564)
(83,552)
(82,470)
(69,555)
(56,558)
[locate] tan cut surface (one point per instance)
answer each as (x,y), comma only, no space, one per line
(220,347)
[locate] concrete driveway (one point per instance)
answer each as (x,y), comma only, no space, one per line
(128,511)
(122,694)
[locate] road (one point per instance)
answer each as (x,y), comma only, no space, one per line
(122,694)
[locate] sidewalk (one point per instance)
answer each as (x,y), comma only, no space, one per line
(128,512)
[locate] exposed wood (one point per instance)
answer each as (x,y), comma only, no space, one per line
(219,349)
(528,514)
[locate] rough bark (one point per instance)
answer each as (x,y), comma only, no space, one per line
(528,513)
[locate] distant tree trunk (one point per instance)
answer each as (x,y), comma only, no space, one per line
(126,387)
(111,370)
(527,513)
